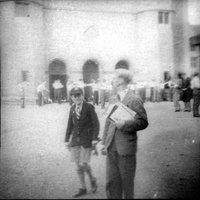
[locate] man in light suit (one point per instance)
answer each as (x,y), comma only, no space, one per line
(120,141)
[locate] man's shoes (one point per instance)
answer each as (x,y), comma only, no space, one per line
(81,192)
(94,185)
(177,110)
(196,115)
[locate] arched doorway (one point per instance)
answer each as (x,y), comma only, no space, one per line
(122,64)
(90,72)
(57,70)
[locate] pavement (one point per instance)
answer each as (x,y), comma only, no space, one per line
(36,165)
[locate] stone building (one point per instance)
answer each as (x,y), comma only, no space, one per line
(45,40)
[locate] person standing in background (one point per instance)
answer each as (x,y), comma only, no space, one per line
(57,85)
(22,88)
(95,90)
(195,85)
(70,85)
(178,83)
(40,90)
(187,94)
(102,88)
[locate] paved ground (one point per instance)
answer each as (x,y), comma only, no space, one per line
(36,165)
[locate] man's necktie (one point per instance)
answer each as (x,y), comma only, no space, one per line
(118,97)
(78,112)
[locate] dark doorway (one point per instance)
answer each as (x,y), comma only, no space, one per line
(90,72)
(57,70)
(122,64)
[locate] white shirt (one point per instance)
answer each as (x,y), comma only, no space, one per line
(95,87)
(57,85)
(80,107)
(122,94)
(103,86)
(195,82)
(41,87)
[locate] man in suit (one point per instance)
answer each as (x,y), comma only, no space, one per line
(195,85)
(120,141)
(81,136)
(178,84)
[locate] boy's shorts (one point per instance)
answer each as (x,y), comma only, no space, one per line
(80,155)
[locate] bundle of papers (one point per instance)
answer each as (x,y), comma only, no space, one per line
(120,112)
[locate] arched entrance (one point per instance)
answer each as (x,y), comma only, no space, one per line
(57,70)
(90,72)
(122,64)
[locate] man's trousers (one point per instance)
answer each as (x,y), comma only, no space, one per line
(196,101)
(120,173)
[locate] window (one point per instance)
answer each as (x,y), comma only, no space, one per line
(21,9)
(122,64)
(163,17)
(167,76)
(194,62)
(160,17)
(166,18)
(192,48)
(24,75)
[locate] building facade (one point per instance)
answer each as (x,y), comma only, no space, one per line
(45,40)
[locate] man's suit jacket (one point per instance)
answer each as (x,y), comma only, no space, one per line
(126,138)
(85,129)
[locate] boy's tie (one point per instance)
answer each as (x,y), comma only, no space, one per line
(78,112)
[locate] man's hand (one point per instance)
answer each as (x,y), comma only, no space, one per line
(67,145)
(94,142)
(120,123)
(103,150)
(94,146)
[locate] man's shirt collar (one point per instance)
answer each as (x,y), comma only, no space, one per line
(122,94)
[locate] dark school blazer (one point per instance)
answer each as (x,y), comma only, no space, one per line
(83,130)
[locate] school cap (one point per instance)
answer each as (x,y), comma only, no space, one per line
(76,90)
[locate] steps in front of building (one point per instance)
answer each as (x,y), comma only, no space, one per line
(17,102)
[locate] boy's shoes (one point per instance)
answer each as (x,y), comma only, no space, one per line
(94,185)
(196,115)
(177,110)
(81,192)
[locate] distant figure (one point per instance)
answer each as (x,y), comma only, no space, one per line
(161,86)
(195,85)
(57,85)
(70,85)
(178,83)
(149,91)
(95,89)
(187,94)
(22,88)
(40,90)
(102,87)
(141,91)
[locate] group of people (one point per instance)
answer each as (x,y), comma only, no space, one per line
(43,93)
(97,91)
(186,88)
(119,141)
(181,88)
